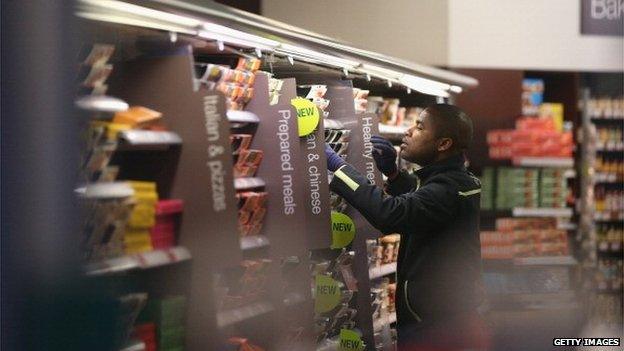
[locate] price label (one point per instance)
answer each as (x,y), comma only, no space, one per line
(308,116)
(327,294)
(343,230)
(350,341)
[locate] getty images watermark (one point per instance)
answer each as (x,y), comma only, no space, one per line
(586,342)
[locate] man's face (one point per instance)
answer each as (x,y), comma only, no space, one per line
(419,144)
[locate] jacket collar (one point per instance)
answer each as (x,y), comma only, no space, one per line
(455,162)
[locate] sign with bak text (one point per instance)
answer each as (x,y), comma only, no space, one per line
(602,17)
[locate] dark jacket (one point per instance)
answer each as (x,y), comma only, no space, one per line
(436,211)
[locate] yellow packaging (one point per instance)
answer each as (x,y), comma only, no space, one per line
(137,116)
(554,111)
(146,197)
(131,250)
(142,216)
(113,130)
(138,185)
(138,239)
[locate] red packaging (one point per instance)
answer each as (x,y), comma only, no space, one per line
(524,123)
(170,206)
(500,137)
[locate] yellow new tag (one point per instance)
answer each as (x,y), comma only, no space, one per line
(343,230)
(308,116)
(327,294)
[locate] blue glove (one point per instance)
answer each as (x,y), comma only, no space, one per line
(384,155)
(333,160)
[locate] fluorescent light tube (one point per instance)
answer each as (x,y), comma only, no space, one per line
(133,22)
(144,12)
(237,34)
(232,40)
(319,56)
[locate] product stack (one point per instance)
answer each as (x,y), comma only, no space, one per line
(517,187)
(521,237)
(129,307)
(391,113)
(604,209)
(540,132)
(137,238)
(163,318)
(164,232)
(360,99)
(236,84)
(533,137)
(606,107)
(384,250)
(526,248)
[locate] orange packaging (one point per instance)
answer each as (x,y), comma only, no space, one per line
(499,137)
(500,152)
(524,149)
(532,123)
(137,116)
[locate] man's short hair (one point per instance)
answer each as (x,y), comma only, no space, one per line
(451,122)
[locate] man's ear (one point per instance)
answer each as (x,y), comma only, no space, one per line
(445,144)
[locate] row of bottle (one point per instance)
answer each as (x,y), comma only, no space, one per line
(609,200)
(609,275)
(609,233)
(613,165)
(606,135)
(606,107)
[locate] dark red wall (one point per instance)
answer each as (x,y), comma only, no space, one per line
(494,104)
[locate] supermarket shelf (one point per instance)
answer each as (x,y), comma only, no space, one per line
(545,261)
(254,242)
(606,178)
(603,118)
(382,270)
(237,315)
(101,103)
(608,216)
(541,212)
(134,345)
(242,117)
(332,124)
(567,226)
(138,138)
(559,162)
(610,146)
(610,247)
(144,260)
(248,183)
(379,323)
(105,190)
